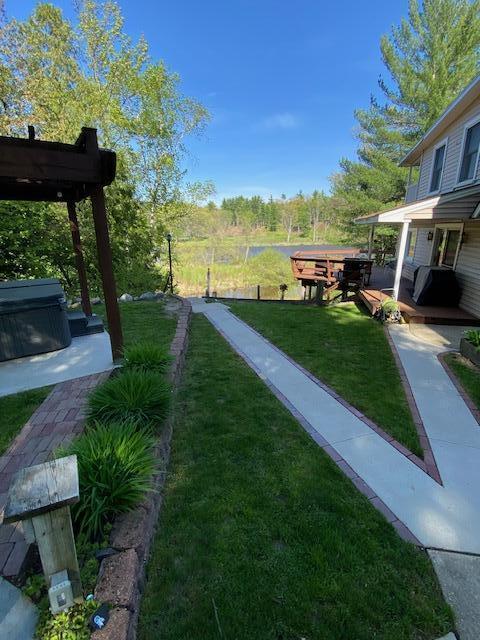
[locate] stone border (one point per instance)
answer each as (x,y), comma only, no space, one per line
(54,423)
(122,576)
(458,385)
(360,484)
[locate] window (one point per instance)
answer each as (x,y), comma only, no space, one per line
(446,247)
(470,153)
(411,243)
(437,168)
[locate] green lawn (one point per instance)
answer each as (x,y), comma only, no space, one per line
(467,373)
(143,321)
(346,349)
(15,410)
(261,537)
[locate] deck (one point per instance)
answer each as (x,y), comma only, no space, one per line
(382,278)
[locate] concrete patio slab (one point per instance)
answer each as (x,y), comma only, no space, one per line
(442,335)
(459,577)
(18,616)
(86,355)
(444,517)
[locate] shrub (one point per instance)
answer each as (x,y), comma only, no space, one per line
(146,356)
(389,311)
(133,396)
(473,336)
(115,466)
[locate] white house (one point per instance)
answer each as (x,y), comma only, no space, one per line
(440,220)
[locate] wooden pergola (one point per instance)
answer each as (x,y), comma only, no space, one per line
(40,171)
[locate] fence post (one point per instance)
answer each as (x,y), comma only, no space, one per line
(258,292)
(208,282)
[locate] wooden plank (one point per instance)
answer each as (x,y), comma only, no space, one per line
(56,545)
(41,488)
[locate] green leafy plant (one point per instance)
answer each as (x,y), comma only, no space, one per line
(389,311)
(34,587)
(134,396)
(115,467)
(473,336)
(146,356)
(69,625)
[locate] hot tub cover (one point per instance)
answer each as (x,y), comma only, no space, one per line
(25,294)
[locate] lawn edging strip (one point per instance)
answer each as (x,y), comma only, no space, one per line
(360,484)
(122,575)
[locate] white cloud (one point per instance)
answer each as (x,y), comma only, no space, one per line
(284,120)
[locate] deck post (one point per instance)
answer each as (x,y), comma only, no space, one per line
(370,241)
(400,257)
(79,261)
(106,271)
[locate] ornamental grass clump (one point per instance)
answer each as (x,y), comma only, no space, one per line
(147,356)
(136,396)
(115,468)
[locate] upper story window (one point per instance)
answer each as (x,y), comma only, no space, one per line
(437,166)
(469,158)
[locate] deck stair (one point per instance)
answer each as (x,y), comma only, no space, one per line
(83,325)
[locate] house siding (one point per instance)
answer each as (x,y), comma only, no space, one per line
(468,269)
(454,148)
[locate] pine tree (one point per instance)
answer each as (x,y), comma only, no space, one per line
(430,57)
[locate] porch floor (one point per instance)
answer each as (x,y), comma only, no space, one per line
(383,277)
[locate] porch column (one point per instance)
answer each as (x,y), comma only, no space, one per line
(370,241)
(77,247)
(400,258)
(106,271)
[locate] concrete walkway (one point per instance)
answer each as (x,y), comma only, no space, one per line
(18,616)
(442,517)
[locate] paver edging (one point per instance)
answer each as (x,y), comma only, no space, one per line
(337,458)
(122,576)
(458,385)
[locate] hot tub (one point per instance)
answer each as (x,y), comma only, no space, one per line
(33,318)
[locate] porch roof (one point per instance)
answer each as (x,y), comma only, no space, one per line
(455,205)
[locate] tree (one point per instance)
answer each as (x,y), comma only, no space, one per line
(430,57)
(60,76)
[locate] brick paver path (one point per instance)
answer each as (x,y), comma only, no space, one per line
(56,421)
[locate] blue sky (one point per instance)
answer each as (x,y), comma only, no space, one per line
(280,79)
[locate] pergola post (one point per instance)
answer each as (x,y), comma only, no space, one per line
(370,240)
(77,247)
(104,252)
(400,258)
